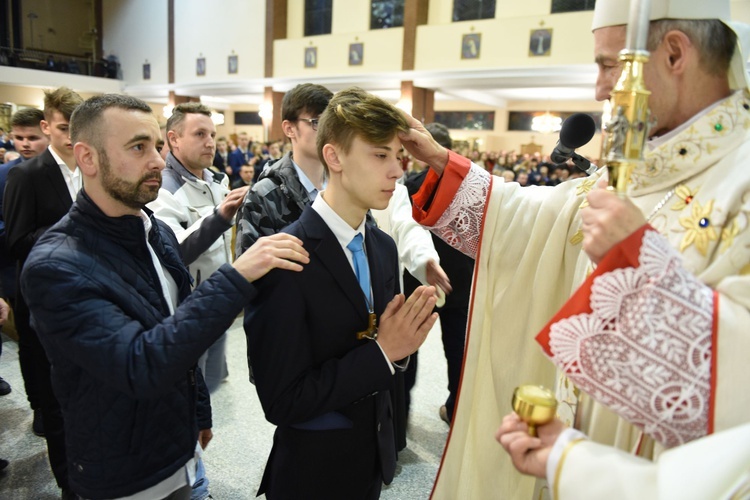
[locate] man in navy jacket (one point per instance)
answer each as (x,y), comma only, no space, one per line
(112,309)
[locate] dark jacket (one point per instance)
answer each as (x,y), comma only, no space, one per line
(122,367)
(274,202)
(326,390)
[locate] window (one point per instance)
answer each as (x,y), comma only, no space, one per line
(466,120)
(386,14)
(318,17)
(466,10)
(247,118)
(572,5)
(522,120)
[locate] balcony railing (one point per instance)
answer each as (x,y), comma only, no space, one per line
(62,63)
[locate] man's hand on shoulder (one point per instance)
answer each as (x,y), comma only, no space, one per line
(281,250)
(233,201)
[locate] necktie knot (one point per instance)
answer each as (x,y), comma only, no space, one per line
(361,268)
(356,244)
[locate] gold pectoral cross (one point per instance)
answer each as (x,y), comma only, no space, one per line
(372,329)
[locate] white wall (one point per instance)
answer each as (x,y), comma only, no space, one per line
(136,31)
(215,29)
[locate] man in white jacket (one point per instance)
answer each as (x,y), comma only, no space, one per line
(200,209)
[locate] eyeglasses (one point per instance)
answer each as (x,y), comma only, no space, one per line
(312,121)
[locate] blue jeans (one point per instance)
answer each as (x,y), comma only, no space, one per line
(200,488)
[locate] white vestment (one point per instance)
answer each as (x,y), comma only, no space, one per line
(527,243)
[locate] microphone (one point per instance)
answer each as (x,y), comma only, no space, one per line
(577,130)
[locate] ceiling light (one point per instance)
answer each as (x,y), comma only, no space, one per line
(546,123)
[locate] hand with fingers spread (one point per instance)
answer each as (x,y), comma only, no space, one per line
(528,454)
(232,203)
(404,325)
(607,220)
(420,144)
(281,250)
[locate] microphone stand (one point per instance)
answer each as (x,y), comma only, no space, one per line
(583,164)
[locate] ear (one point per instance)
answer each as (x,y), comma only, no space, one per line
(87,158)
(679,50)
(44,125)
(331,156)
(288,128)
(171,136)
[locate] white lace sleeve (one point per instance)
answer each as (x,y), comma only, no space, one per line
(645,350)
(461,224)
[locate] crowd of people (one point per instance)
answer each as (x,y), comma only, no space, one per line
(526,169)
(635,308)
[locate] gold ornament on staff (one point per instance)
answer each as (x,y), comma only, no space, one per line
(627,130)
(535,405)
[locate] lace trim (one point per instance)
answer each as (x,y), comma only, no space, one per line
(461,224)
(645,350)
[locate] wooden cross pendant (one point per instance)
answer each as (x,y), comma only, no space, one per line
(372,329)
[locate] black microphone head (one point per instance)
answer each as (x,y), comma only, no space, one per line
(577,130)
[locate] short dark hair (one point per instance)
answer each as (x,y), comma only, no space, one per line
(61,99)
(181,110)
(29,117)
(440,133)
(304,97)
(86,122)
(356,113)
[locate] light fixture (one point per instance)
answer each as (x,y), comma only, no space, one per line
(167,111)
(217,118)
(265,110)
(405,104)
(546,123)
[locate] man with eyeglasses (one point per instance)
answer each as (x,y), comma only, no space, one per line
(288,185)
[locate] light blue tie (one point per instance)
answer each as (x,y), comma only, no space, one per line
(361,269)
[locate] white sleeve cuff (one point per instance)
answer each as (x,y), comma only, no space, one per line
(563,440)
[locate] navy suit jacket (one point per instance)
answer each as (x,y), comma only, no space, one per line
(236,159)
(327,392)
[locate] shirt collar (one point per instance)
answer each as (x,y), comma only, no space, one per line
(57,158)
(341,230)
(146,222)
(305,181)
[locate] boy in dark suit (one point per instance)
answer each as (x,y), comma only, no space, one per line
(323,370)
(37,195)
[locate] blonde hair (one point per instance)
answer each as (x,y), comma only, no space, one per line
(354,112)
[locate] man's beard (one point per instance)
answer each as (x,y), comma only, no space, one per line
(132,194)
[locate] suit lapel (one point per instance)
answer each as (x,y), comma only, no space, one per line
(331,255)
(56,181)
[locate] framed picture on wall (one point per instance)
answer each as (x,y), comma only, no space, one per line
(356,54)
(540,42)
(311,57)
(147,71)
(232,64)
(470,46)
(200,66)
